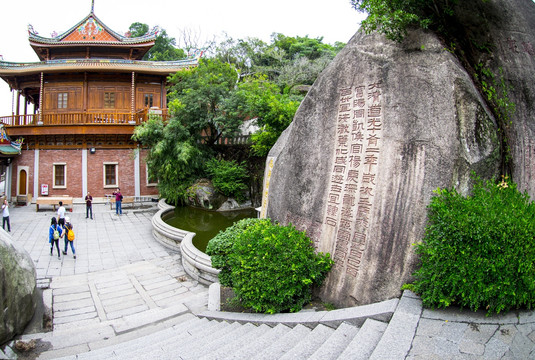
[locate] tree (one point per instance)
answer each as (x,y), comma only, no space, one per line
(174,157)
(164,48)
(245,79)
(256,97)
(137,29)
(196,99)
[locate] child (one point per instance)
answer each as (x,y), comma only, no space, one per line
(69,236)
(54,233)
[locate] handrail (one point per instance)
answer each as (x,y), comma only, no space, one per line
(100,118)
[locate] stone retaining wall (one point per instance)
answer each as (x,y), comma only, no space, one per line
(196,263)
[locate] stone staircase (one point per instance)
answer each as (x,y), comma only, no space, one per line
(377,331)
(200,338)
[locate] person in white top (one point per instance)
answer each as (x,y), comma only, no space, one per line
(5,216)
(61,214)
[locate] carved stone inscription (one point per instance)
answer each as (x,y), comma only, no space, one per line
(359,128)
(267,179)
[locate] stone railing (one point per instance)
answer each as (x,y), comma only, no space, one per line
(196,263)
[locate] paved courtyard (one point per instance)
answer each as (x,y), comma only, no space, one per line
(106,242)
(124,286)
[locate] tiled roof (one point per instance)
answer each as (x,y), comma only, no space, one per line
(98,64)
(91,30)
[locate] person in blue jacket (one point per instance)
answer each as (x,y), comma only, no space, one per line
(55,232)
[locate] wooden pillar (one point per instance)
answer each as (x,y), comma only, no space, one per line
(18,102)
(25,110)
(133,107)
(13,105)
(41,93)
(85,93)
(163,96)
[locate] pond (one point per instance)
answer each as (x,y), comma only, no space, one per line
(205,224)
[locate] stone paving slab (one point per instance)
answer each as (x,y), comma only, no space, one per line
(363,344)
(397,338)
(129,323)
(117,256)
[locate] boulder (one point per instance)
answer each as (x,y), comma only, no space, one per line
(383,126)
(203,194)
(507,28)
(17,295)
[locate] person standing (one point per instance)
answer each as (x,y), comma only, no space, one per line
(61,214)
(5,216)
(69,237)
(54,233)
(88,205)
(118,202)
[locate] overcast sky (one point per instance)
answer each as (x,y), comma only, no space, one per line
(334,20)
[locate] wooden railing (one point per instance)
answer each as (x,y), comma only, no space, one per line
(78,119)
(236,140)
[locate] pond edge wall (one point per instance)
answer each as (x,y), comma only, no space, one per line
(196,263)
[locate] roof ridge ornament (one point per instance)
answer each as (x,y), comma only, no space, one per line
(92,6)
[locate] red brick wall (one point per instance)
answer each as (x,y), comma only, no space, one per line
(24,159)
(73,159)
(144,189)
(95,171)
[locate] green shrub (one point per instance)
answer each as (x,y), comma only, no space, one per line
(273,268)
(479,251)
(220,246)
(228,177)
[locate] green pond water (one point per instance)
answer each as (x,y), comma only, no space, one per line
(205,224)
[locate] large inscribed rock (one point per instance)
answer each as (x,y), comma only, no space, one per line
(383,126)
(509,27)
(17,288)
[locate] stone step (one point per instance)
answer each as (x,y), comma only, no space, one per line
(205,345)
(254,347)
(336,343)
(73,336)
(283,344)
(184,341)
(222,351)
(109,347)
(144,318)
(309,344)
(136,340)
(397,339)
(147,349)
(363,344)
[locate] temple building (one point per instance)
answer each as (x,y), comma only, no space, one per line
(89,90)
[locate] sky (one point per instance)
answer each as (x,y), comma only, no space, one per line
(334,20)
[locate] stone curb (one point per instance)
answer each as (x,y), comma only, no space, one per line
(381,311)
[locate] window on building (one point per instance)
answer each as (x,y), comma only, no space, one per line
(62,100)
(149,100)
(109,100)
(111,175)
(60,175)
(151,179)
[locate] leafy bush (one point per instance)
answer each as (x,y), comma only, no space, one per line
(228,177)
(220,246)
(273,268)
(479,251)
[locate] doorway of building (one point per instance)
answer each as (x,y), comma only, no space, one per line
(23,176)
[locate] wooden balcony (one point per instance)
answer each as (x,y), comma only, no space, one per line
(75,123)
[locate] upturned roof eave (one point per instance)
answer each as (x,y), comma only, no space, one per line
(15,69)
(36,44)
(34,37)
